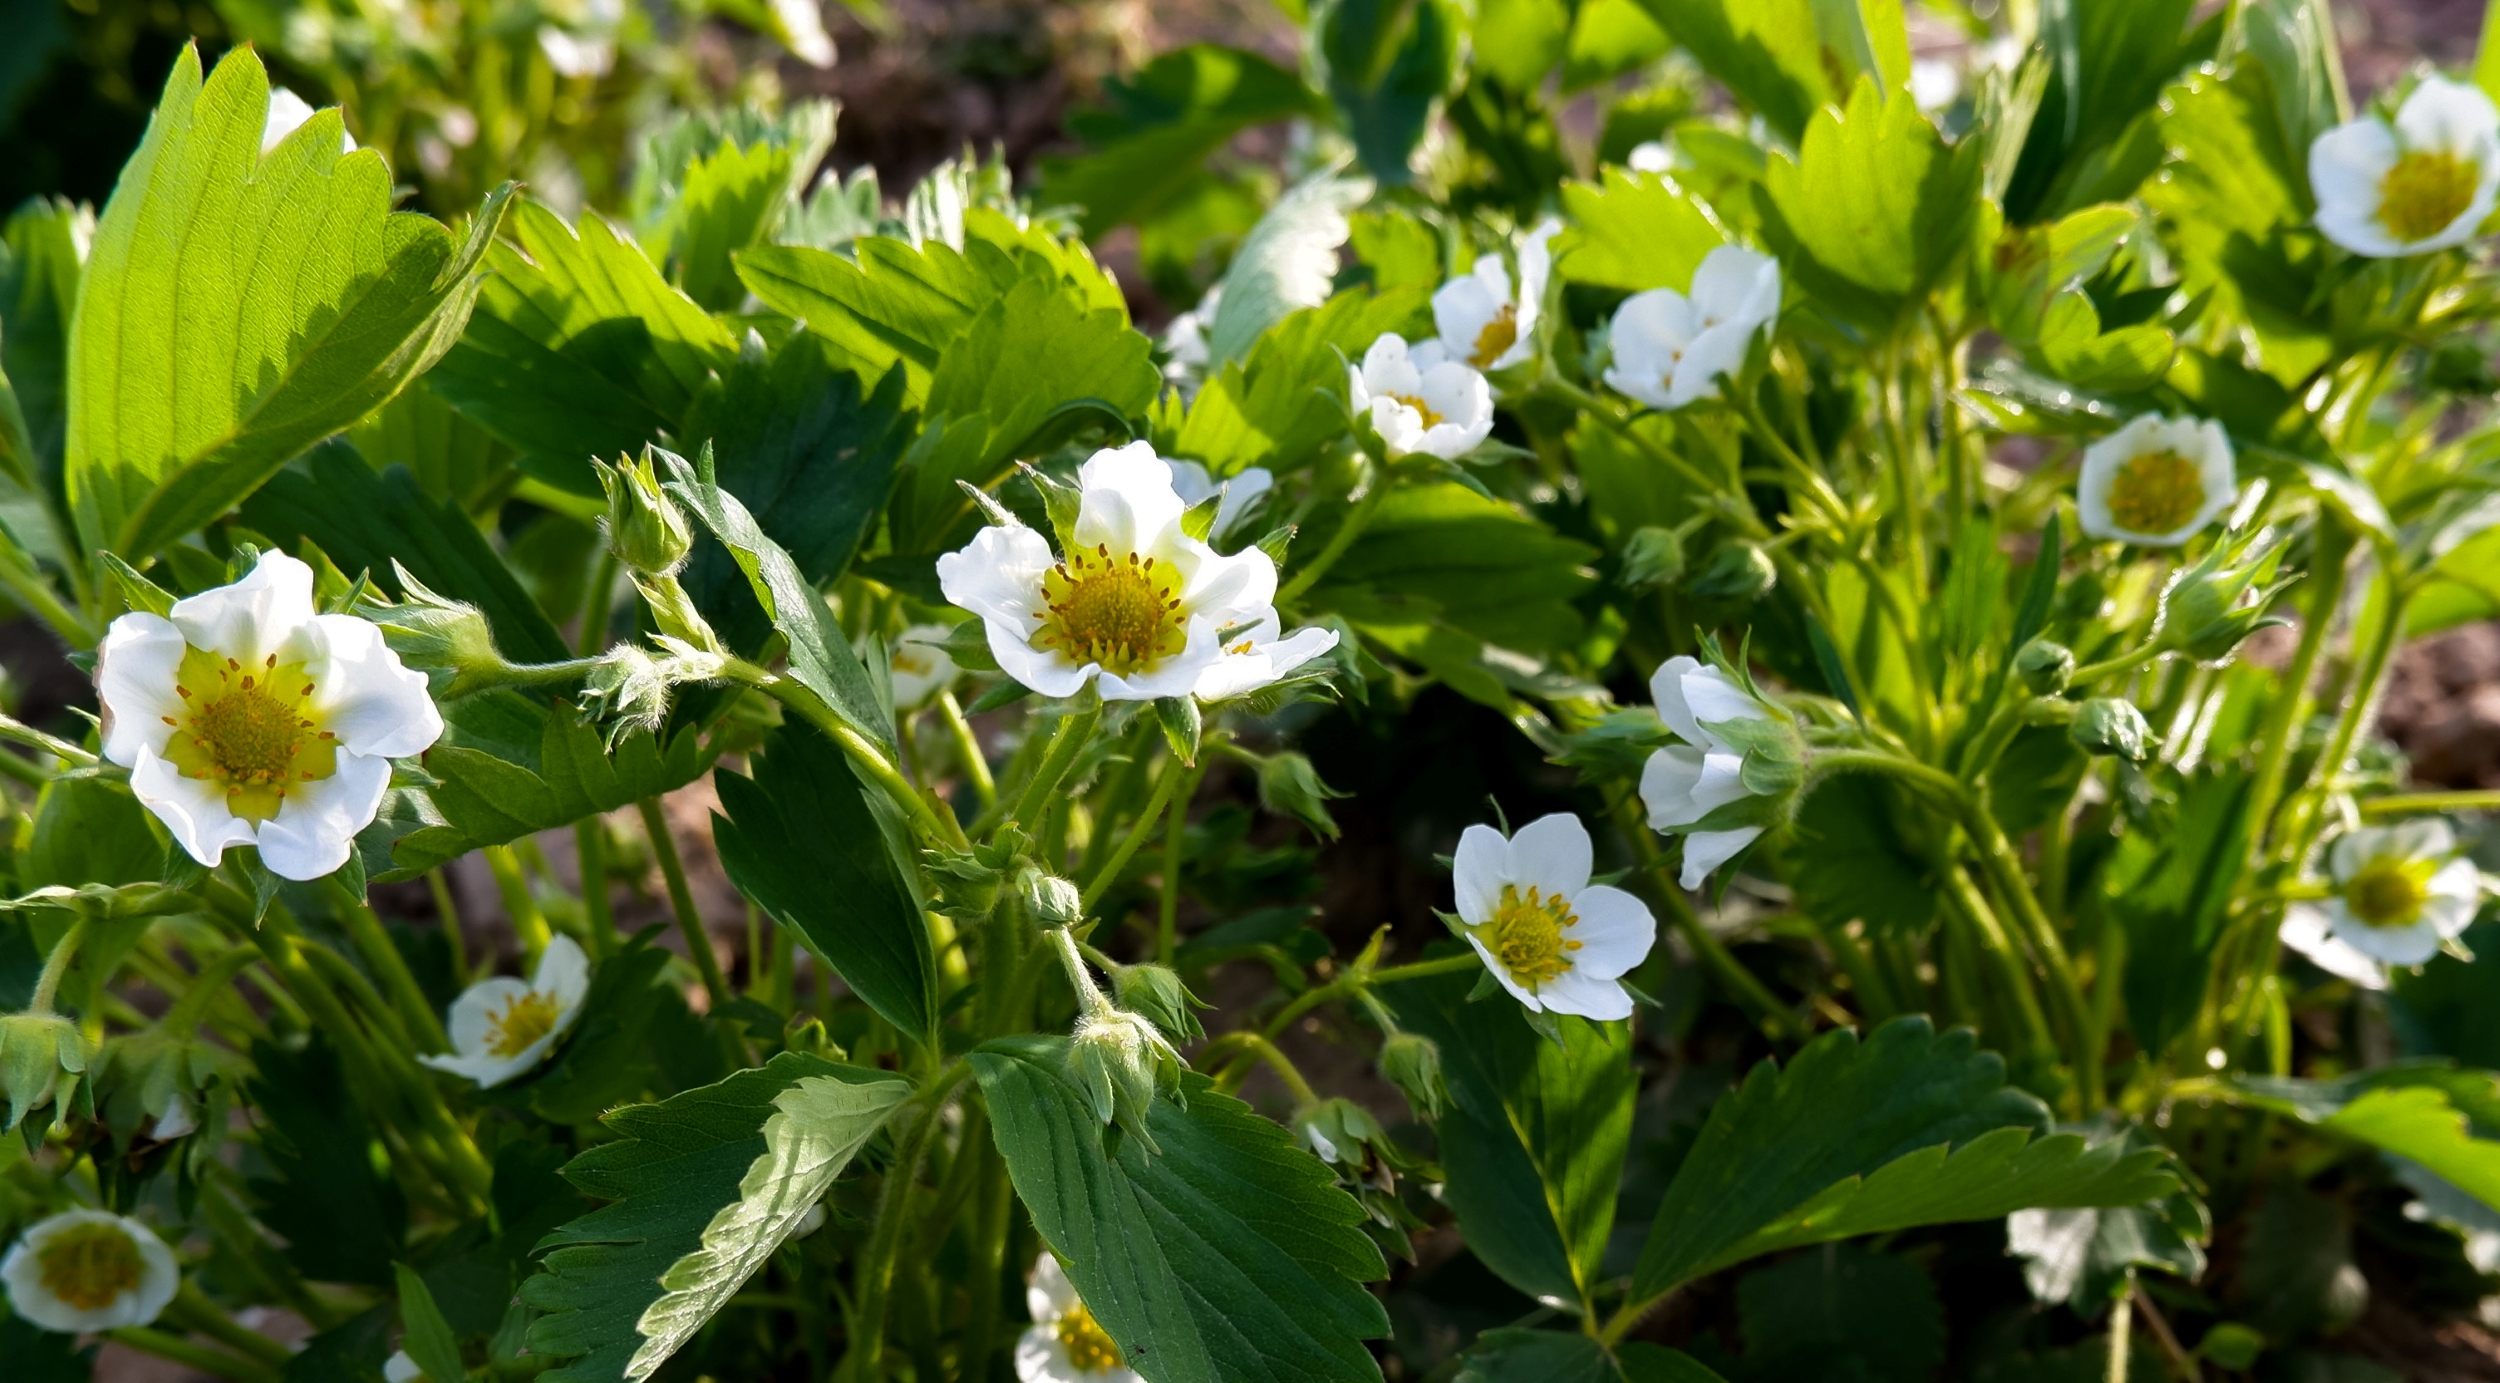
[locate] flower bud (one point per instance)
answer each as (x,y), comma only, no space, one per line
(1122,1063)
(1289,786)
(448,640)
(1739,571)
(2108,725)
(1412,1063)
(36,1050)
(626,690)
(1158,994)
(2045,666)
(1653,556)
(1048,899)
(2212,607)
(644,527)
(1338,1132)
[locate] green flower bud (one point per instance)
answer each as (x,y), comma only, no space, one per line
(1289,786)
(2231,1345)
(1339,1132)
(1412,1063)
(1653,556)
(2045,666)
(1048,899)
(2108,725)
(626,690)
(1739,571)
(36,1051)
(1122,1063)
(2211,608)
(448,640)
(644,527)
(1158,994)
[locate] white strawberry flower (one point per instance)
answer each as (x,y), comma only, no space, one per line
(2421,182)
(1671,350)
(1136,607)
(1481,321)
(84,1271)
(2400,893)
(1556,941)
(502,1027)
(1243,491)
(1682,783)
(2156,482)
(245,718)
(1422,402)
(1065,1344)
(921,666)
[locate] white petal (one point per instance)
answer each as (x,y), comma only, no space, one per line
(136,669)
(2411,945)
(22,1272)
(1536,269)
(1735,286)
(1237,673)
(2423,838)
(2308,931)
(1387,368)
(1048,1294)
(194,811)
(399,1368)
(1666,691)
(471,1023)
(1705,851)
(1127,498)
(2450,116)
(1716,353)
(316,826)
(1552,853)
(1047,671)
(1615,931)
(287,114)
(998,576)
(1711,697)
(563,975)
(1682,784)
(1464,307)
(487,1070)
(1191,482)
(364,696)
(1242,494)
(1502,976)
(1478,869)
(920,665)
(254,617)
(1650,334)
(1586,995)
(1176,675)
(1226,589)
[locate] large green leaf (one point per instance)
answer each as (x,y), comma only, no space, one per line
(1288,262)
(1444,550)
(2107,65)
(238,307)
(2083,1256)
(1231,1255)
(1849,862)
(452,457)
(1387,64)
(342,1217)
(1281,405)
(816,848)
(1874,208)
(1788,58)
(675,1170)
(1514,1355)
(2415,1110)
(894,304)
(1858,1138)
(41,257)
(579,348)
(1145,145)
(730,199)
(1534,1143)
(365,522)
(1634,231)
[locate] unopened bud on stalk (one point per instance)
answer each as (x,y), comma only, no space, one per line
(626,690)
(36,1051)
(1158,994)
(1412,1063)
(1122,1063)
(644,527)
(448,640)
(1338,1131)
(1653,557)
(2108,725)
(1739,571)
(2045,666)
(2212,607)
(1048,899)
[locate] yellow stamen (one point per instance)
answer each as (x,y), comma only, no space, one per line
(1528,935)
(2156,493)
(1498,335)
(1121,612)
(2390,890)
(1090,1348)
(1422,409)
(2426,192)
(245,733)
(530,1017)
(90,1265)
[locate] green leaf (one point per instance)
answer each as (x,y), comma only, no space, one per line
(819,1124)
(1842,1313)
(453,458)
(2171,892)
(1514,1355)
(1230,1256)
(896,304)
(1875,207)
(673,1167)
(2416,1111)
(1387,64)
(1849,861)
(579,348)
(1858,1138)
(821,659)
(40,264)
(44,1356)
(1533,1146)
(289,302)
(428,1340)
(2073,347)
(730,200)
(2107,65)
(1284,402)
(1788,58)
(1287,263)
(809,448)
(365,522)
(2082,1256)
(1608,39)
(1634,231)
(1480,564)
(1146,143)
(342,1217)
(813,846)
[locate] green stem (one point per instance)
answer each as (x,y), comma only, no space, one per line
(383,959)
(1067,741)
(2005,873)
(56,965)
(681,901)
(1971,908)
(2427,803)
(886,1240)
(933,819)
(2276,735)
(1356,520)
(216,1363)
(1591,405)
(2108,667)
(18,732)
(989,1266)
(1256,1046)
(189,1011)
(590,853)
(529,925)
(968,750)
(192,1310)
(1147,819)
(1175,855)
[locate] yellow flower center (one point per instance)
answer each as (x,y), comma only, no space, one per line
(1422,409)
(1528,935)
(2156,493)
(1090,1348)
(90,1265)
(1498,335)
(528,1018)
(250,730)
(2425,192)
(1121,612)
(2390,890)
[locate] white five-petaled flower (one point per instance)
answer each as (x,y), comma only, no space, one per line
(1065,1344)
(1682,783)
(1554,940)
(501,1027)
(2400,892)
(1243,491)
(1424,401)
(2422,182)
(287,114)
(2156,481)
(921,666)
(1670,349)
(245,718)
(1136,606)
(88,1270)
(1481,321)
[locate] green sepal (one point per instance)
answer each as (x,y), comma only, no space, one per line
(1006,691)
(1182,725)
(1061,501)
(968,646)
(138,592)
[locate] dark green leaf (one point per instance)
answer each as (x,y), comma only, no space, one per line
(1478,563)
(428,1340)
(1387,65)
(1230,1256)
(2107,66)
(1788,58)
(1842,1313)
(1849,861)
(352,1352)
(37,1355)
(342,1218)
(895,304)
(39,272)
(1145,144)
(2170,892)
